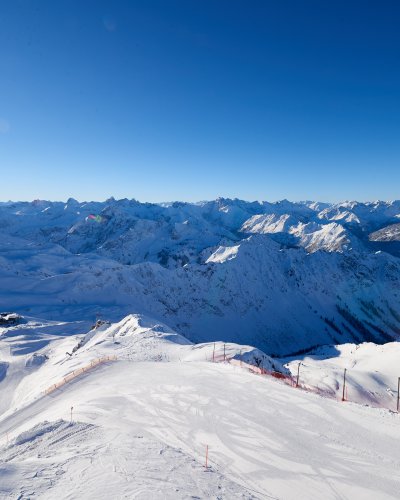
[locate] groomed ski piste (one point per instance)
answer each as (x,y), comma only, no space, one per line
(138,424)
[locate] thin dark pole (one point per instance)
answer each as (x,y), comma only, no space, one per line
(224,353)
(344,384)
(398,394)
(298,374)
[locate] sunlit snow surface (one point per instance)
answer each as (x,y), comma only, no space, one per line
(141,424)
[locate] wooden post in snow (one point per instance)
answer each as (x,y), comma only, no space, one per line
(214,353)
(398,394)
(224,353)
(71,413)
(344,384)
(206,457)
(298,374)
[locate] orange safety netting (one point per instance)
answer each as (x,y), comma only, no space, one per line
(79,371)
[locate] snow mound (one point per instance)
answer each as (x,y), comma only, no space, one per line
(136,337)
(35,360)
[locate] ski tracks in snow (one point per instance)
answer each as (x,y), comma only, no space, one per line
(65,460)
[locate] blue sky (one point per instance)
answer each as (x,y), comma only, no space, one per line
(191,100)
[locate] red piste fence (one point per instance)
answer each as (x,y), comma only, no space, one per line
(292,381)
(287,379)
(80,371)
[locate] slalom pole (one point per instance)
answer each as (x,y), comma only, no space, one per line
(206,457)
(71,413)
(344,384)
(214,353)
(224,353)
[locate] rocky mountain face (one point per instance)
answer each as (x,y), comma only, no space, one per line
(281,276)
(388,233)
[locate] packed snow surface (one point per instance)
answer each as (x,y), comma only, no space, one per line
(372,372)
(140,424)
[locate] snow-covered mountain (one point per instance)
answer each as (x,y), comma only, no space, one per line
(281,276)
(388,233)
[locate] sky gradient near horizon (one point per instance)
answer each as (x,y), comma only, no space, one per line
(190,100)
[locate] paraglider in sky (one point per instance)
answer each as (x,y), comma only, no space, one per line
(97,218)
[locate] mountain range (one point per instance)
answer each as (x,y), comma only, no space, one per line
(284,277)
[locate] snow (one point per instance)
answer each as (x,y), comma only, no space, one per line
(372,372)
(140,425)
(264,274)
(270,223)
(145,322)
(222,254)
(388,233)
(72,460)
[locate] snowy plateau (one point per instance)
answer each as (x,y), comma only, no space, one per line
(198,350)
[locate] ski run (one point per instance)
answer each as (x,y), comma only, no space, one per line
(139,425)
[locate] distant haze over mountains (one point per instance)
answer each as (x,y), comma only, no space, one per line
(283,276)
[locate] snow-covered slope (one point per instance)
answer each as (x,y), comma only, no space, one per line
(372,372)
(388,233)
(37,354)
(139,426)
(281,276)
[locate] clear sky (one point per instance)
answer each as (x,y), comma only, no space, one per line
(195,99)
